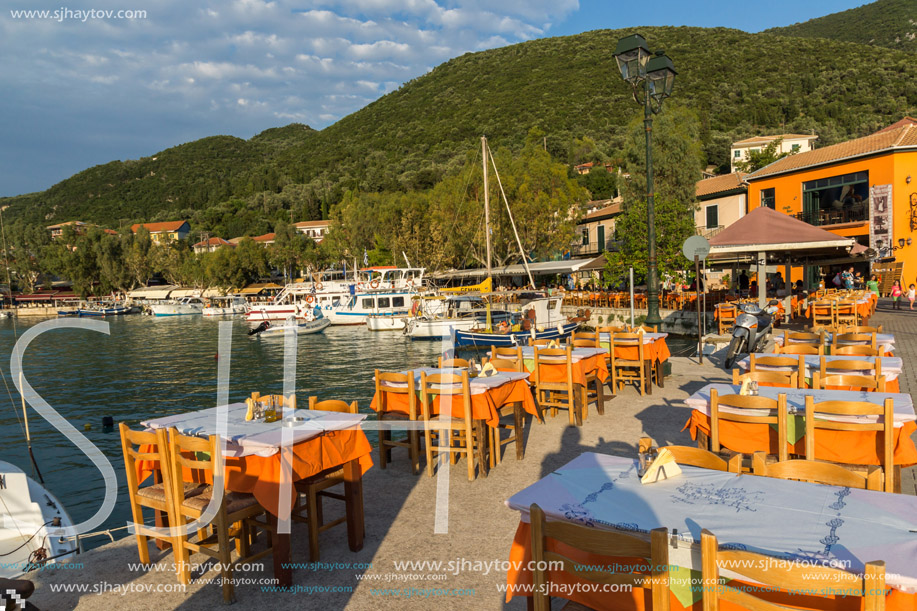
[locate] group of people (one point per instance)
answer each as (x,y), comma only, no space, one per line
(898,293)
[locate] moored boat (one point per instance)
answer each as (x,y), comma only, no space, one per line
(268,330)
(179,307)
(481,339)
(228,305)
(35,529)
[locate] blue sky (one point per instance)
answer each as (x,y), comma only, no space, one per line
(84,89)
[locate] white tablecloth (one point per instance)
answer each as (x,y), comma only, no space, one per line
(882,339)
(244,438)
(891,365)
(780,518)
(477,386)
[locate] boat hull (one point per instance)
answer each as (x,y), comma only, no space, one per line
(174,310)
(385,323)
(32,508)
(503,340)
(306,328)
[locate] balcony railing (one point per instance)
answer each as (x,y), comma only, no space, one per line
(834,216)
(709,232)
(594,247)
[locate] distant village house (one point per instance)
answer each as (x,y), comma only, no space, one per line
(789,143)
(166,231)
(211,244)
(313,229)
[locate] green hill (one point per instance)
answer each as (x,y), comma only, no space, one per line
(884,23)
(739,84)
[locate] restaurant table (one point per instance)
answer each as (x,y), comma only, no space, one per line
(891,366)
(585,361)
(655,352)
(850,447)
(812,523)
(886,340)
(863,309)
(323,441)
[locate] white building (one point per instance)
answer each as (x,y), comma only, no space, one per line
(314,229)
(790,143)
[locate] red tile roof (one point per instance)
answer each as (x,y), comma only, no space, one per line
(268,237)
(312,224)
(880,142)
(159,227)
(719,184)
(897,124)
(603,212)
(214,242)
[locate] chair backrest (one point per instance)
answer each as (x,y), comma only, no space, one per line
(804,349)
(200,455)
(509,354)
(627,341)
(553,356)
(131,443)
(854,339)
(796,362)
(848,382)
(505,364)
(885,424)
(846,367)
(857,350)
(817,338)
(611,329)
(750,405)
(585,339)
(861,329)
(333,405)
(654,552)
(817,472)
(390,383)
(449,385)
(697,457)
(452,363)
(646,328)
(727,312)
(760,569)
(782,379)
(539,342)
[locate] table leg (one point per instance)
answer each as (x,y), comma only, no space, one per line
(280,542)
(353,499)
(648,374)
(481,446)
(518,422)
(660,374)
(578,404)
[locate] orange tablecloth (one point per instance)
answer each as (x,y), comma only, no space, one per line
(864,310)
(484,406)
(852,447)
(639,599)
(260,475)
(581,368)
(656,350)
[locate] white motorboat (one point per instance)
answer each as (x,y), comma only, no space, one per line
(35,529)
(178,307)
(278,330)
(357,309)
(438,318)
(229,305)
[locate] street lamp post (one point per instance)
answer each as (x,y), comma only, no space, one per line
(652,78)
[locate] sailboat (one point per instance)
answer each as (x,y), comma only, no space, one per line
(541,317)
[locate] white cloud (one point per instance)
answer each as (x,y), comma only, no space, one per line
(236,67)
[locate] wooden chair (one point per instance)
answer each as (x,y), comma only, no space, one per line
(796,362)
(201,456)
(845,367)
(861,329)
(853,350)
(313,489)
(646,329)
(627,370)
(816,338)
(845,313)
(839,340)
(818,472)
(512,355)
(726,317)
(854,408)
(763,570)
(156,496)
(654,553)
(823,314)
(557,395)
(781,379)
(849,382)
(452,363)
(540,342)
(747,403)
(454,434)
(584,339)
(389,386)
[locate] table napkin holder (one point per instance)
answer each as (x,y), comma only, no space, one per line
(662,468)
(487,371)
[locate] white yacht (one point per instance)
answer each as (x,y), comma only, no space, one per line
(178,307)
(230,305)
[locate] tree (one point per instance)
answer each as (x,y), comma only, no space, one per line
(757,159)
(290,249)
(678,160)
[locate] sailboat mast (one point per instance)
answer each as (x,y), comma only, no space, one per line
(488,326)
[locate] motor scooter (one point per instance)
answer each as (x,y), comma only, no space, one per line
(750,330)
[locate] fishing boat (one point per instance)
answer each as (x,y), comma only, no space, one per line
(541,318)
(178,307)
(278,330)
(359,307)
(103,310)
(35,529)
(230,305)
(439,317)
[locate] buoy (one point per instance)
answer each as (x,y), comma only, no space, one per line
(87,427)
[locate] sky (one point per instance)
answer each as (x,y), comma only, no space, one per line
(133,77)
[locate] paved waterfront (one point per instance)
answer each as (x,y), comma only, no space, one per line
(399,515)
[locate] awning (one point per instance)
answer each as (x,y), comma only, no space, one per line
(251,290)
(212,293)
(540,268)
(179,293)
(152,292)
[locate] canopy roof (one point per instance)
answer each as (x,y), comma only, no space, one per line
(540,268)
(766,230)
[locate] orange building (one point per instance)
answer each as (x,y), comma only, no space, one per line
(864,188)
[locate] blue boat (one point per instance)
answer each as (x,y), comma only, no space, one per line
(474,339)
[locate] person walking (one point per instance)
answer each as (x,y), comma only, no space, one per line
(911,295)
(896,294)
(872,285)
